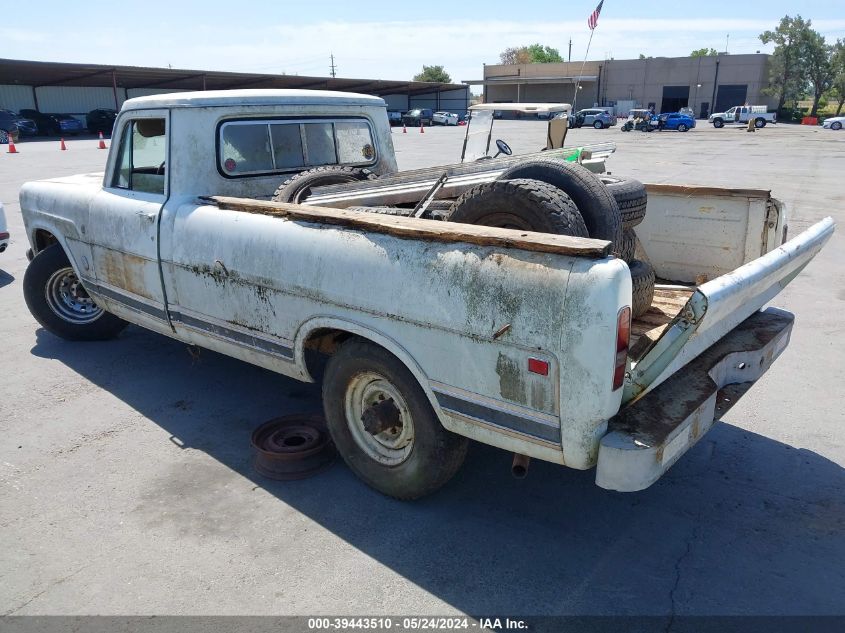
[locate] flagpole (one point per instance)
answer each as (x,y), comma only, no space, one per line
(581,72)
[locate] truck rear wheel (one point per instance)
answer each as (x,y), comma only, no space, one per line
(383,424)
(521,204)
(57,300)
(759,122)
(297,188)
(595,203)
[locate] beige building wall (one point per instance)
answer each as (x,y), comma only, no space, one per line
(640,80)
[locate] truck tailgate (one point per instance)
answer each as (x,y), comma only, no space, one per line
(707,358)
(718,306)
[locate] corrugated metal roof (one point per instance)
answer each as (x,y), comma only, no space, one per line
(31,73)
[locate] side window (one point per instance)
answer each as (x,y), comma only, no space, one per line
(141,156)
(259,147)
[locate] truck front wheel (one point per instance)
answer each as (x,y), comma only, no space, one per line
(718,123)
(57,300)
(384,426)
(760,123)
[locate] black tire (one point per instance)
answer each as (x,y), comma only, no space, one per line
(682,127)
(836,125)
(717,123)
(57,300)
(629,246)
(521,204)
(593,200)
(642,287)
(598,125)
(297,188)
(631,198)
(433,455)
(758,123)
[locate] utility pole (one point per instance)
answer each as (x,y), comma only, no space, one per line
(333,67)
(570,49)
(727,42)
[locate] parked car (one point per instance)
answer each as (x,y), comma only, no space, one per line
(45,123)
(445,118)
(834,123)
(742,114)
(595,117)
(418,117)
(26,127)
(8,127)
(394,117)
(68,124)
(4,231)
(100,120)
(675,121)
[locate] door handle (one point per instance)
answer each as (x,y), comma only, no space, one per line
(147,216)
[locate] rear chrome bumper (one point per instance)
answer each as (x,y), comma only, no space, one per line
(647,437)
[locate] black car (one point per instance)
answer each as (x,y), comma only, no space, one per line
(46,124)
(418,117)
(100,120)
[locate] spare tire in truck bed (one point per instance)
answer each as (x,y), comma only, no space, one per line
(595,203)
(521,204)
(297,188)
(642,287)
(631,198)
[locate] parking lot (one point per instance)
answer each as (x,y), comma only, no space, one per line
(127,484)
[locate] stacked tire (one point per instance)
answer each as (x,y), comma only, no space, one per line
(632,200)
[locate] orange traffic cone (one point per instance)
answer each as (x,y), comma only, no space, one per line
(62,145)
(422,128)
(404,129)
(102,143)
(12,148)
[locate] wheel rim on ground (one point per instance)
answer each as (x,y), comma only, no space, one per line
(759,123)
(392,446)
(68,299)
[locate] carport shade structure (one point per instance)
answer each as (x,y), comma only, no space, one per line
(41,74)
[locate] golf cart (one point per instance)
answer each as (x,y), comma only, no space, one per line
(640,119)
(479,140)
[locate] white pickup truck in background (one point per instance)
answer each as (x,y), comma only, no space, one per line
(743,114)
(424,333)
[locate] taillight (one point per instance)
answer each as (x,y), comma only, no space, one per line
(623,335)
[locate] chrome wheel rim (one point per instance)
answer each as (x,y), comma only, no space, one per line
(68,299)
(390,447)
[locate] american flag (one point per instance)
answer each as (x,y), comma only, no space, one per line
(594,16)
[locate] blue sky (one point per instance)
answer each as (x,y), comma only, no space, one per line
(386,40)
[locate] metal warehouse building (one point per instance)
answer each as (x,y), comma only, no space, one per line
(706,84)
(78,88)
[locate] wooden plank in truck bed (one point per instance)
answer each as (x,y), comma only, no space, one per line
(667,304)
(414,228)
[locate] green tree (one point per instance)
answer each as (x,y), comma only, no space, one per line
(433,73)
(533,54)
(817,56)
(786,68)
(837,89)
(704,52)
(544,54)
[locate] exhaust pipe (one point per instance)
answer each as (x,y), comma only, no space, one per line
(519,468)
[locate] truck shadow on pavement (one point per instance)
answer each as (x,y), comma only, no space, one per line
(742,524)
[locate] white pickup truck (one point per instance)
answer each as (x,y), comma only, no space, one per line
(743,114)
(433,332)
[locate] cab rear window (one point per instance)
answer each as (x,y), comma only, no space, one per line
(261,147)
